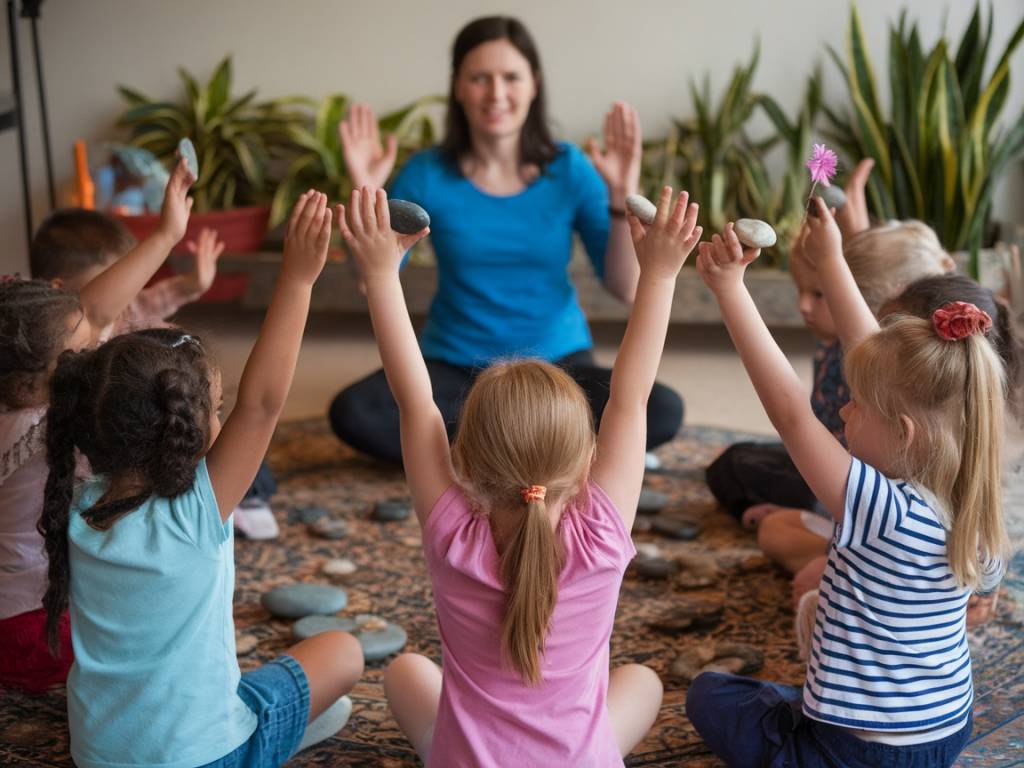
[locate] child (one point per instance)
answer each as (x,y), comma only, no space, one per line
(921,299)
(883,261)
(143,553)
(73,245)
(889,678)
(525,525)
(37,323)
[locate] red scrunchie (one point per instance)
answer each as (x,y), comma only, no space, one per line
(959,319)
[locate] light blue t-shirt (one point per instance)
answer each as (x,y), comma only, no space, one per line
(503,280)
(155,677)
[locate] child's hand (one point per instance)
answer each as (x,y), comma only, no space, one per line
(722,262)
(981,608)
(662,247)
(378,249)
(823,238)
(177,204)
(306,239)
(853,217)
(206,250)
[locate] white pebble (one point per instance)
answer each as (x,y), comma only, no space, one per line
(641,207)
(647,549)
(755,233)
(340,567)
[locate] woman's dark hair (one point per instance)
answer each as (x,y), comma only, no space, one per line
(137,407)
(536,146)
(33,331)
(924,296)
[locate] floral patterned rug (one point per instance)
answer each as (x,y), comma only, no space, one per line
(314,469)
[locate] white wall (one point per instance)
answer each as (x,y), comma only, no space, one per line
(388,53)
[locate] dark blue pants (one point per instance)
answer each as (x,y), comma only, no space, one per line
(365,414)
(749,723)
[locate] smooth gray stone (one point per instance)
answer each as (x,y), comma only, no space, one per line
(736,658)
(642,208)
(683,530)
(188,151)
(376,643)
(655,567)
(651,502)
(329,528)
(407,218)
(833,196)
(391,510)
(295,601)
(310,514)
(755,233)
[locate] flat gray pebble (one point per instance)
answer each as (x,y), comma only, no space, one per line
(295,601)
(755,233)
(642,208)
(329,528)
(407,218)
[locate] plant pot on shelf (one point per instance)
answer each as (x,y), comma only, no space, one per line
(241,229)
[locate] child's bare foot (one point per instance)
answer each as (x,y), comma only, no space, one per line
(753,516)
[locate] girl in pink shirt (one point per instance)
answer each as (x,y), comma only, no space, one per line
(526,523)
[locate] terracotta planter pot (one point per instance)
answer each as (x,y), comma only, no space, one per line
(241,229)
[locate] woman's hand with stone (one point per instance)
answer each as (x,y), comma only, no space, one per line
(378,249)
(619,161)
(369,162)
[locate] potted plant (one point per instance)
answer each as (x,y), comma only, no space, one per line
(939,152)
(236,140)
(714,158)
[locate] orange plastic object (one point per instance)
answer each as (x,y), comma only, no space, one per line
(84,182)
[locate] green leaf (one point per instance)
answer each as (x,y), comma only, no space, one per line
(133,97)
(219,88)
(862,74)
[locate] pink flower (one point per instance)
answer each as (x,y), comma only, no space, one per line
(822,164)
(959,319)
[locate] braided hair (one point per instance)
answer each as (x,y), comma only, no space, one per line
(34,328)
(137,407)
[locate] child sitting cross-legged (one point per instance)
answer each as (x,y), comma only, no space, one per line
(143,552)
(916,502)
(526,522)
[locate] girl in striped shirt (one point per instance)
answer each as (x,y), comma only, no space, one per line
(919,529)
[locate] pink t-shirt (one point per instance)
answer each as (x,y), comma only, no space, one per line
(487,715)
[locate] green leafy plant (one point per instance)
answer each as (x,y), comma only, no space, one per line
(317,161)
(236,139)
(939,153)
(714,158)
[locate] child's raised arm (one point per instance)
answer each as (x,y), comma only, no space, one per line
(822,461)
(622,438)
(238,450)
(105,297)
(823,244)
(378,251)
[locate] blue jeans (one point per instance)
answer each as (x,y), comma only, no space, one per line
(278,692)
(748,723)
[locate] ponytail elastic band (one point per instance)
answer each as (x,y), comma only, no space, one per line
(534,493)
(959,319)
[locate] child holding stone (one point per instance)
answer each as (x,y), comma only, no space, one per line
(143,552)
(37,322)
(526,523)
(926,407)
(759,481)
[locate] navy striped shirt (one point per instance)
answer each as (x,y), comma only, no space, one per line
(890,647)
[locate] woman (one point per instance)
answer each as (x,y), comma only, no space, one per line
(504,200)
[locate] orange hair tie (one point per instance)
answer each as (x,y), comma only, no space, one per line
(534,493)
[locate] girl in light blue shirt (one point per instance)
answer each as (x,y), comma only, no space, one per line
(143,553)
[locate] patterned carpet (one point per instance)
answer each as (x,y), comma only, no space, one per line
(391,581)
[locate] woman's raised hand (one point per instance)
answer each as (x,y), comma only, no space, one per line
(369,162)
(619,161)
